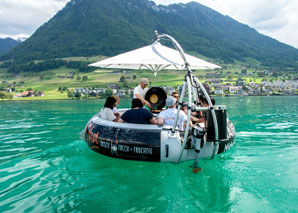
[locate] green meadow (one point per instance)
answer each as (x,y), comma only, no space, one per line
(49,81)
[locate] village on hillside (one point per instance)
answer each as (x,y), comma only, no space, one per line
(218,83)
(214,86)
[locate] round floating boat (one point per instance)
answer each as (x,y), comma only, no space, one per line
(155,143)
(163,143)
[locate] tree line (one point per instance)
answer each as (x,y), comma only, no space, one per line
(49,64)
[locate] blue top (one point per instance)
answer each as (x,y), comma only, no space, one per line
(137,116)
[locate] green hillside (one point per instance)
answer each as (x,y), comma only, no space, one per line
(7,44)
(108,27)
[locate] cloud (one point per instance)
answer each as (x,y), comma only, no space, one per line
(24,17)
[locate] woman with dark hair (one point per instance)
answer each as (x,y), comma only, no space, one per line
(107,111)
(115,110)
(138,114)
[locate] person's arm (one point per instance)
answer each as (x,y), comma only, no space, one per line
(149,116)
(123,118)
(143,100)
(184,118)
(121,121)
(117,118)
(153,120)
(160,121)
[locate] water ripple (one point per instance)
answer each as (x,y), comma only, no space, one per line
(44,167)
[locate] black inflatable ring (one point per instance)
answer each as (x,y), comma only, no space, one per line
(156,96)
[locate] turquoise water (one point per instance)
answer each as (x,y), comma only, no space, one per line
(45,167)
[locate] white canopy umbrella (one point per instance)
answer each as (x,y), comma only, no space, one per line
(154,57)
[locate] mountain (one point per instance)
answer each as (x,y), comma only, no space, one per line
(109,27)
(7,44)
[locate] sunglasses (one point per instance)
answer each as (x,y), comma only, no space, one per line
(175,96)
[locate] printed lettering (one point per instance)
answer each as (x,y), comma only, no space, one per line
(105,144)
(143,150)
(123,148)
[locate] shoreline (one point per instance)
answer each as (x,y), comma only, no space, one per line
(81,99)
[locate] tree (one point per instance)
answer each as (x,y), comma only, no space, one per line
(85,78)
(122,79)
(70,93)
(5,95)
(125,85)
(108,92)
(79,78)
(2,95)
(261,74)
(244,71)
(134,77)
(77,95)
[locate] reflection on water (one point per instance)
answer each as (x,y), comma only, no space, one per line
(44,166)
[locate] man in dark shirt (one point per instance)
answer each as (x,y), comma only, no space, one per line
(138,114)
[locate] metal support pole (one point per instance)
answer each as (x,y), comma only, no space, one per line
(179,105)
(188,118)
(197,150)
(194,91)
(212,113)
(181,52)
(175,43)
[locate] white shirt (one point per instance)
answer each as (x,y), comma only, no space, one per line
(107,114)
(169,116)
(115,110)
(140,91)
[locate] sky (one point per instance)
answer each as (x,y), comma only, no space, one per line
(277,19)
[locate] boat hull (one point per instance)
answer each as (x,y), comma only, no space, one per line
(147,142)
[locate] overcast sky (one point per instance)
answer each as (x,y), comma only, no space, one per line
(277,19)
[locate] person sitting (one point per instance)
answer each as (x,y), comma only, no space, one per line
(176,95)
(138,114)
(184,108)
(168,116)
(205,104)
(107,111)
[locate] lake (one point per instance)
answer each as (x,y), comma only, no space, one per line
(45,167)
